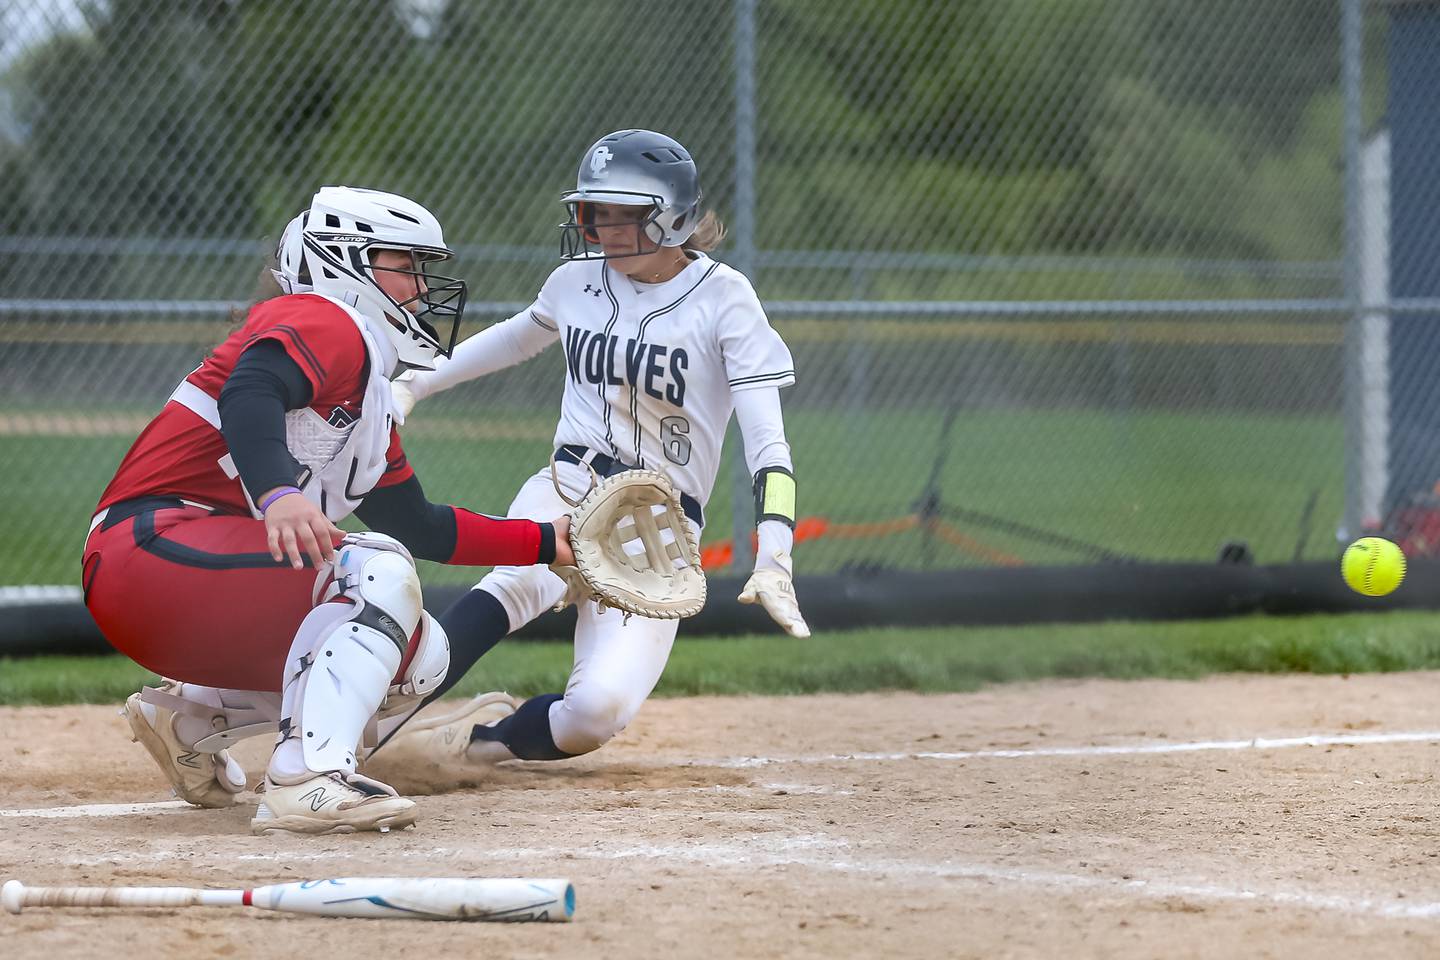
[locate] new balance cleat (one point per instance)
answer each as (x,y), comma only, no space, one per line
(331,803)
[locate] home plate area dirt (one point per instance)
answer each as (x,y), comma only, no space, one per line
(1235,816)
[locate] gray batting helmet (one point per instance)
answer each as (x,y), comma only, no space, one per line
(633,168)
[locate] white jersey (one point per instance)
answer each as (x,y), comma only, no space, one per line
(651,367)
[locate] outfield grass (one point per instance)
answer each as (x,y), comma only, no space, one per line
(929,660)
(1160,486)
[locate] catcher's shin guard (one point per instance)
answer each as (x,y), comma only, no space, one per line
(345,657)
(215,718)
(206,779)
(423,674)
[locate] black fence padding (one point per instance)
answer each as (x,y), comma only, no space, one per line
(960,598)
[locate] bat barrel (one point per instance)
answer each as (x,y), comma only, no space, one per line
(429,898)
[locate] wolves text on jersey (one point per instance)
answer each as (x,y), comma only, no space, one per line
(653,367)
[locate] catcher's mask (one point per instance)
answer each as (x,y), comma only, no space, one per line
(344,227)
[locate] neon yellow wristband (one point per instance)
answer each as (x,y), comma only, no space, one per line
(775,495)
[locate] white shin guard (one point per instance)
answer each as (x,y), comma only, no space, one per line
(426,671)
(211,719)
(343,660)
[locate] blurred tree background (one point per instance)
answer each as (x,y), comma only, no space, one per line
(987,127)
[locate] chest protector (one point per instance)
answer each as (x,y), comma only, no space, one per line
(342,463)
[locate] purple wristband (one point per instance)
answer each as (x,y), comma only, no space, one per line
(283,491)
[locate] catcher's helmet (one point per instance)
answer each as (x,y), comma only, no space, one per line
(343,226)
(635,168)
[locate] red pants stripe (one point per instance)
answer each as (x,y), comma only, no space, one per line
(196,597)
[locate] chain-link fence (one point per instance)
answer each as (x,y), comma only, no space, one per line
(1065,280)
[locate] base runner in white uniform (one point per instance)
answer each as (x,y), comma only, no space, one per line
(661,344)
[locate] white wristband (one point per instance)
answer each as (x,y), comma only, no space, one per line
(776,540)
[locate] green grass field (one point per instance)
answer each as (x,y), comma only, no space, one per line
(929,660)
(1161,486)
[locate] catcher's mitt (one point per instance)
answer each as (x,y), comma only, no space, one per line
(658,577)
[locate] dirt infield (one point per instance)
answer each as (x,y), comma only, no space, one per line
(1070,819)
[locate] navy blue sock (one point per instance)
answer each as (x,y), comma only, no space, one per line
(474,624)
(526,732)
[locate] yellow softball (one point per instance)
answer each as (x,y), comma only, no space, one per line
(1373,566)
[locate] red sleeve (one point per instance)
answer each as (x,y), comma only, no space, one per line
(482,541)
(322,340)
(397,465)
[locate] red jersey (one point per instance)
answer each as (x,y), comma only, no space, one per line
(180,454)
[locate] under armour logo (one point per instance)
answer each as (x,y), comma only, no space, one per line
(316,797)
(598,159)
(593,291)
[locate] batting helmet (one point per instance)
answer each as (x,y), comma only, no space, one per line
(633,168)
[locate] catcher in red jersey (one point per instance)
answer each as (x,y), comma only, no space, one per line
(214,560)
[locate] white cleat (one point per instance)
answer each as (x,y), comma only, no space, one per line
(331,803)
(434,744)
(204,779)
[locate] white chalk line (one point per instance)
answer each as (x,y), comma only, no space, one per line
(98,810)
(762,854)
(1115,750)
(779,851)
(1112,750)
(823,853)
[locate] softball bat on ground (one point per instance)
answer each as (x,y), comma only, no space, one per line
(433,898)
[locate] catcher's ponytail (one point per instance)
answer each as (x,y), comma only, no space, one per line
(266,288)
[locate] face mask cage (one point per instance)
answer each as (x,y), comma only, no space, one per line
(580,240)
(441,298)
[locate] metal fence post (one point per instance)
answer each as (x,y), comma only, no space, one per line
(743,254)
(1351,27)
